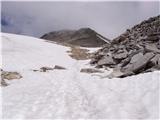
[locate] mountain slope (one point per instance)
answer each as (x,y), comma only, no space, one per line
(135,51)
(70,93)
(84,37)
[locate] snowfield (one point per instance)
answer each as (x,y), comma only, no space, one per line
(70,94)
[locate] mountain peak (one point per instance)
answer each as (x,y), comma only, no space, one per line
(85,37)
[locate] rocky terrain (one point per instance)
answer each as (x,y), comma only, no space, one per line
(84,37)
(135,51)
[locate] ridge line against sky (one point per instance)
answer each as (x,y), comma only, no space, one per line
(79,0)
(107,18)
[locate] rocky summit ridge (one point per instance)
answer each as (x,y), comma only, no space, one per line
(135,51)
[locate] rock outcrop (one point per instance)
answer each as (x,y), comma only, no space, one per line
(6,75)
(84,37)
(10,75)
(90,70)
(46,68)
(135,51)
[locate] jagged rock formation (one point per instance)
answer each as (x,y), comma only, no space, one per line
(135,51)
(84,37)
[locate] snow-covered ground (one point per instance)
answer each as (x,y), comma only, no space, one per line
(68,93)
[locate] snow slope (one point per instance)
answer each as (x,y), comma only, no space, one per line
(69,94)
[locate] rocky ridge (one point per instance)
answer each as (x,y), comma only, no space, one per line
(135,51)
(84,37)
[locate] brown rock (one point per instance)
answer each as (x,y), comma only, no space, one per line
(44,69)
(90,70)
(10,75)
(3,83)
(59,67)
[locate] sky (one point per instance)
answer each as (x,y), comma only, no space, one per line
(107,18)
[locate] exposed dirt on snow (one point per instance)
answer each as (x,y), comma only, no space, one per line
(79,53)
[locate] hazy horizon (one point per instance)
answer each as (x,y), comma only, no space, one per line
(107,18)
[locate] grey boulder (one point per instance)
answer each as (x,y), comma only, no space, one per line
(106,60)
(140,62)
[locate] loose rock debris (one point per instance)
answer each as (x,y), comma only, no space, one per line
(135,51)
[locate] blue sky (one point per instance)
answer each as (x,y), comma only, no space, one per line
(108,18)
